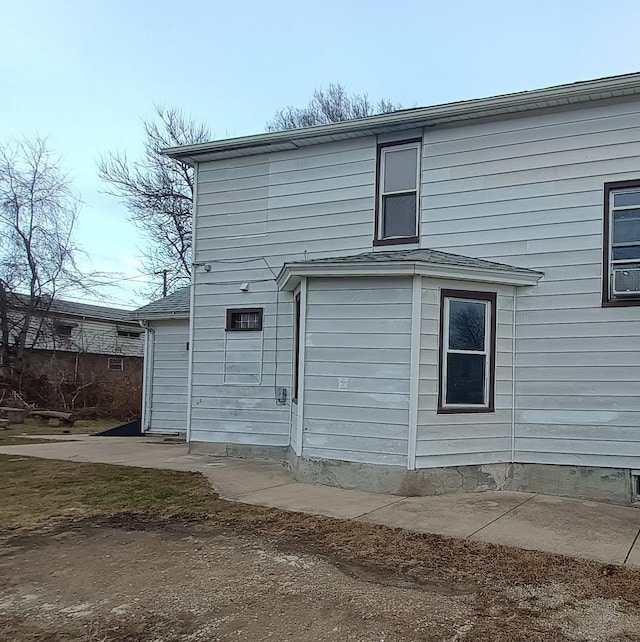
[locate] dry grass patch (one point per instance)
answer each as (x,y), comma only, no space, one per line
(36,491)
(19,434)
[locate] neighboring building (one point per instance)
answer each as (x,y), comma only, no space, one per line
(428,300)
(81,354)
(164,391)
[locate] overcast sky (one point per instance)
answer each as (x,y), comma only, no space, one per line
(84,73)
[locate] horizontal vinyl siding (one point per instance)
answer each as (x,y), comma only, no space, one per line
(463,438)
(169,376)
(529,191)
(358,330)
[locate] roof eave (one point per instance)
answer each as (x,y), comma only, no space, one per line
(558,96)
(160,316)
(291,274)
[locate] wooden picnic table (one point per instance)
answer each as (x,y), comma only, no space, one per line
(44,416)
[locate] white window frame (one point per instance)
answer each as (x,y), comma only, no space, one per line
(617,264)
(487,353)
(417,145)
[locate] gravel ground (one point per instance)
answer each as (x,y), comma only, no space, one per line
(179,581)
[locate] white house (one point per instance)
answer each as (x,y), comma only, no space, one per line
(166,350)
(429,300)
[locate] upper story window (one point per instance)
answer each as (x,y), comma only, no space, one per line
(131,334)
(63,329)
(467,351)
(621,265)
(398,193)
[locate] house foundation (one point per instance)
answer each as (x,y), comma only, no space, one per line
(612,485)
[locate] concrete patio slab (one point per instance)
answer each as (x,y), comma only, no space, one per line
(568,526)
(457,515)
(571,527)
(318,500)
(633,558)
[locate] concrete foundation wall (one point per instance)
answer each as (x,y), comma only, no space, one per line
(613,485)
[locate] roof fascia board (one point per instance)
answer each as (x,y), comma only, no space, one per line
(291,274)
(161,316)
(575,93)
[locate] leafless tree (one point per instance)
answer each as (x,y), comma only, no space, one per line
(330,105)
(38,213)
(158,193)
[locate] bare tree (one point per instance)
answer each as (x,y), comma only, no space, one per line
(158,193)
(38,213)
(327,106)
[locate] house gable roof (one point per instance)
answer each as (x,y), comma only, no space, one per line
(505,105)
(424,262)
(174,306)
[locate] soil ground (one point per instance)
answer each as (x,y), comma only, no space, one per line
(186,566)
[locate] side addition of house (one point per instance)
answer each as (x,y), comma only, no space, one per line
(428,300)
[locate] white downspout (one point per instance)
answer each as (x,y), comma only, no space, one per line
(513,374)
(147,375)
(414,372)
(192,303)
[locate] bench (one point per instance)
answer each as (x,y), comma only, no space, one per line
(13,415)
(65,418)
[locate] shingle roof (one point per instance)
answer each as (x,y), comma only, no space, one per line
(76,309)
(425,256)
(175,304)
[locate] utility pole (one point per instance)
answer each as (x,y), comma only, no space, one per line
(164,280)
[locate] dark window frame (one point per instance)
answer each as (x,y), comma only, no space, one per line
(64,330)
(377,240)
(129,334)
(471,295)
(609,301)
(119,360)
(233,311)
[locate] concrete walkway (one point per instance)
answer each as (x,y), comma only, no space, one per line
(572,527)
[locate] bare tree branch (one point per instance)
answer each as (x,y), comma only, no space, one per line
(327,106)
(158,192)
(38,213)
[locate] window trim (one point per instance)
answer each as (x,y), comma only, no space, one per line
(231,311)
(608,300)
(378,239)
(295,375)
(471,295)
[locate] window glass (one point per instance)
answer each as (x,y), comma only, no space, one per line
(465,379)
(626,226)
(246,320)
(399,215)
(466,325)
(400,170)
(626,199)
(627,253)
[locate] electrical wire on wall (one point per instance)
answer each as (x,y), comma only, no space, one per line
(280,397)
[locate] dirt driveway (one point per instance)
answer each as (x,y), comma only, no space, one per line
(187,581)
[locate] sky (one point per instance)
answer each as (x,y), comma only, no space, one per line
(84,74)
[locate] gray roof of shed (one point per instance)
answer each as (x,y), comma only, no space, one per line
(175,304)
(423,255)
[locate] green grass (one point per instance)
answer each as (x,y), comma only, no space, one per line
(35,491)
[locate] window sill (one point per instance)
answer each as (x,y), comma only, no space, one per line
(465,410)
(621,303)
(403,241)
